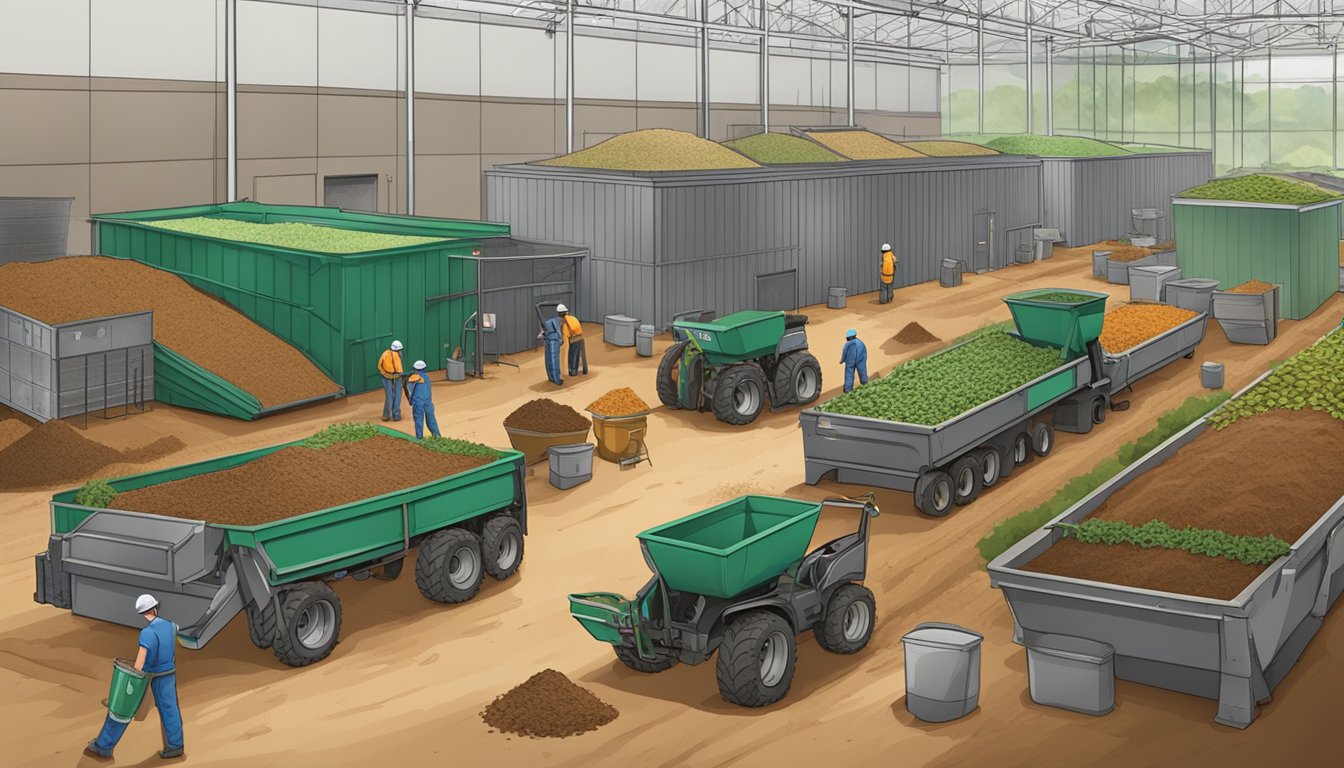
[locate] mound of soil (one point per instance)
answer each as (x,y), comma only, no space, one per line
(1264,475)
(10,431)
(56,453)
(297,480)
(914,333)
(546,416)
(548,705)
(193,324)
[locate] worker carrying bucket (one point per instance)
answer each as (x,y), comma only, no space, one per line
(573,333)
(153,669)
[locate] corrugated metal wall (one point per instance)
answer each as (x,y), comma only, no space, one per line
(1089,199)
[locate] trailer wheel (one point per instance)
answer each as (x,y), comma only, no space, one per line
(798,379)
(667,370)
(1022,449)
(848,622)
(502,546)
(966,480)
(261,624)
(310,623)
(1098,410)
(933,493)
(991,465)
(739,397)
(448,568)
(1042,439)
(757,659)
(629,656)
(1006,461)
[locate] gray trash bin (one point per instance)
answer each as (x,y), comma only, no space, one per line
(837,296)
(1192,293)
(644,341)
(455,370)
(1149,283)
(950,274)
(1072,673)
(942,671)
(1025,255)
(1099,259)
(1211,375)
(571,465)
(1045,240)
(619,330)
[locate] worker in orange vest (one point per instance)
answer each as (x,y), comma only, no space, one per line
(389,369)
(888,275)
(572,330)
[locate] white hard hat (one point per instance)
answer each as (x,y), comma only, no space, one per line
(396,345)
(419,365)
(886,246)
(145,604)
(561,308)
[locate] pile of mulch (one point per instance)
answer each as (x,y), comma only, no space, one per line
(193,324)
(1266,475)
(914,333)
(297,480)
(619,402)
(56,453)
(1253,287)
(548,705)
(546,416)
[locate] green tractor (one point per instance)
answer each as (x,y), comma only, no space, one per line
(732,364)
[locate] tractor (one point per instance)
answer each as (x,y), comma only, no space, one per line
(731,365)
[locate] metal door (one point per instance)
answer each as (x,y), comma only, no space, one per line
(777,291)
(983,237)
(353,193)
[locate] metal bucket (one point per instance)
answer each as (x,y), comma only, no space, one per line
(644,341)
(127,692)
(942,671)
(1211,375)
(616,435)
(836,297)
(455,370)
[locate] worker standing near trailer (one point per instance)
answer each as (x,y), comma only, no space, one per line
(855,357)
(887,273)
(389,368)
(573,332)
(422,401)
(155,660)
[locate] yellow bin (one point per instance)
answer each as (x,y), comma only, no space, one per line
(533,445)
(618,437)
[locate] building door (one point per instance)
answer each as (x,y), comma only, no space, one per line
(353,193)
(777,291)
(983,237)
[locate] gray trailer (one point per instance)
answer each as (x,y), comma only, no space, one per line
(1125,368)
(1234,651)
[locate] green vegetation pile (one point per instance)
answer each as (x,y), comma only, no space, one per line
(292,235)
(1313,379)
(947,148)
(933,389)
(1248,550)
(1054,146)
(863,145)
(1063,297)
(656,149)
(782,149)
(1259,188)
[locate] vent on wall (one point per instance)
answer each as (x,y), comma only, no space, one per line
(353,193)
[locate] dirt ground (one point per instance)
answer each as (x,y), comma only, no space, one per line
(410,677)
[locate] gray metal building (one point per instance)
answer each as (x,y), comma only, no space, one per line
(1089,199)
(769,238)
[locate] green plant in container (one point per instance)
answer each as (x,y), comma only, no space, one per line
(95,493)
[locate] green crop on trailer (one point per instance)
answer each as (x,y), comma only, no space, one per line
(341,310)
(1232,242)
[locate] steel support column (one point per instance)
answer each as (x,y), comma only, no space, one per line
(980,66)
(410,106)
(704,68)
(765,66)
(1031,111)
(569,76)
(231,99)
(849,66)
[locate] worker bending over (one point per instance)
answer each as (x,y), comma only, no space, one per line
(573,332)
(158,645)
(855,357)
(552,333)
(389,368)
(422,402)
(888,275)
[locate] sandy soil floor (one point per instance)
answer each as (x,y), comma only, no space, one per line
(409,677)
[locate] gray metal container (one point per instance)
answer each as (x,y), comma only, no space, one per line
(836,296)
(1248,318)
(1192,293)
(1149,283)
(619,330)
(1044,240)
(942,671)
(455,370)
(1211,375)
(1099,260)
(33,228)
(1125,368)
(644,341)
(1072,673)
(570,465)
(1025,254)
(950,274)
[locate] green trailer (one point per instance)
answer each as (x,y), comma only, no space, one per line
(464,525)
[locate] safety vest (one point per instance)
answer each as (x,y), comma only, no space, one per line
(888,266)
(572,327)
(389,365)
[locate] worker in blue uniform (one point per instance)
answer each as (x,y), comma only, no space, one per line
(553,334)
(156,659)
(855,357)
(422,401)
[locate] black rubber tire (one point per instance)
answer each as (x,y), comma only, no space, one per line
(666,383)
(796,367)
(832,633)
(725,400)
(1190,355)
(933,493)
(440,554)
(1006,463)
(261,624)
(1098,410)
(629,656)
(1042,439)
(298,642)
(742,654)
(991,465)
(502,546)
(1022,453)
(966,480)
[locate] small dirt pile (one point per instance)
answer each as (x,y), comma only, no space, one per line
(1252,286)
(297,480)
(914,333)
(56,453)
(546,416)
(10,431)
(548,705)
(618,402)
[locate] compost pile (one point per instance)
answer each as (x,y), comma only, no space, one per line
(656,149)
(546,416)
(1258,287)
(1054,146)
(1127,253)
(944,148)
(863,145)
(1129,326)
(914,333)
(296,235)
(56,453)
(1259,188)
(13,425)
(191,323)
(1261,476)
(782,149)
(297,480)
(548,705)
(618,402)
(931,390)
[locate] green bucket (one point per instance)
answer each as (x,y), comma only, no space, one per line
(1064,318)
(127,692)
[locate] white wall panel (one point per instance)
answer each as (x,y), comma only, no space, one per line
(448,56)
(923,90)
(893,88)
(604,68)
(161,39)
(357,50)
(277,44)
(865,85)
(666,72)
(733,77)
(517,61)
(49,37)
(790,80)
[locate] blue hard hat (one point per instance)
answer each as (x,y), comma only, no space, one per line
(851,333)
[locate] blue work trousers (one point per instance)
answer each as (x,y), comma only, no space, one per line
(423,413)
(849,376)
(391,399)
(553,359)
(577,356)
(170,717)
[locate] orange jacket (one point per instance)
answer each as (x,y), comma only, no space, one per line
(571,327)
(888,266)
(389,365)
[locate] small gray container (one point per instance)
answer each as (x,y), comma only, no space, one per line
(644,341)
(1025,254)
(571,465)
(950,274)
(942,671)
(1192,293)
(455,370)
(1099,259)
(837,296)
(1072,673)
(1248,318)
(1149,283)
(619,330)
(1211,375)
(1045,240)
(33,228)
